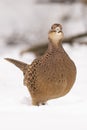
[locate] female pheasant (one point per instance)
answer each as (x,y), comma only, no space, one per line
(51,75)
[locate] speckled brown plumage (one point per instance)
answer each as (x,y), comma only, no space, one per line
(51,75)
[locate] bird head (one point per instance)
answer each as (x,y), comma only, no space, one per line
(55,34)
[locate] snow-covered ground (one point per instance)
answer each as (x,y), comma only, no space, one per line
(16,111)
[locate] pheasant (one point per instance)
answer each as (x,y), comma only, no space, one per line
(51,75)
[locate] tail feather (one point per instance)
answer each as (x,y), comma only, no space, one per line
(19,64)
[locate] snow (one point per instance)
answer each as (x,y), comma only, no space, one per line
(16,111)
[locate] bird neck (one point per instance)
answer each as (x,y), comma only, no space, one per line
(54,45)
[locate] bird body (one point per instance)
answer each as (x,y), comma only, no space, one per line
(51,75)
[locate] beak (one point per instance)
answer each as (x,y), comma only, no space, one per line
(58,30)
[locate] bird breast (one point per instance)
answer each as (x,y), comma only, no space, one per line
(56,75)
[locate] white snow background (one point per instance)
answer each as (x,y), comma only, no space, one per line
(16,112)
